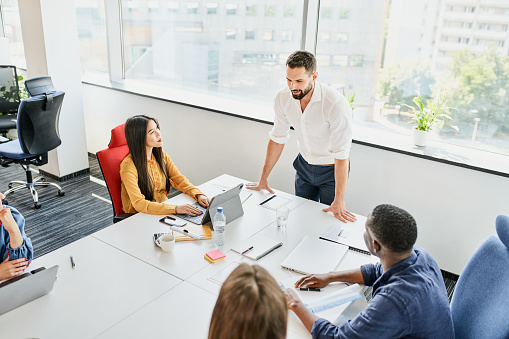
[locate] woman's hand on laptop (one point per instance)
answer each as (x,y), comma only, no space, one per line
(12,268)
(187,209)
(203,200)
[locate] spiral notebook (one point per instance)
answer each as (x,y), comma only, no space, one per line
(350,235)
(257,247)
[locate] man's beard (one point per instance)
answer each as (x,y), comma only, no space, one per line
(303,93)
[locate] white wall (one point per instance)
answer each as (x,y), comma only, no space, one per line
(50,41)
(455,208)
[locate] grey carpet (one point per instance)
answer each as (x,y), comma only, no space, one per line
(60,220)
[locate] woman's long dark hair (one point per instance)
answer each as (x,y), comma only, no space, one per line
(136,136)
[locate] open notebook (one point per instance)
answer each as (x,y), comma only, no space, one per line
(257,247)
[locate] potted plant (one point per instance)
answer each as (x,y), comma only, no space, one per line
(429,116)
(350,99)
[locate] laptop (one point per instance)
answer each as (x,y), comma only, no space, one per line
(313,255)
(229,200)
(26,287)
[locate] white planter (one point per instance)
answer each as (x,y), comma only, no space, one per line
(420,137)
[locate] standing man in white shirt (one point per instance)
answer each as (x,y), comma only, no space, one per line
(321,117)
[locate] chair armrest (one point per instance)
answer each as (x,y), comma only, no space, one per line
(122,216)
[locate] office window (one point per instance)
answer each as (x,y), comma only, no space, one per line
(325,13)
(356,60)
(340,60)
(473,71)
(12,31)
(211,52)
(344,13)
(212,8)
(250,10)
(270,10)
(92,36)
(153,5)
(286,36)
(342,38)
(324,37)
(192,8)
(323,60)
(231,9)
(268,35)
(250,34)
(231,33)
(288,11)
(173,7)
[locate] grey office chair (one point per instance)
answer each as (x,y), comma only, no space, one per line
(37,124)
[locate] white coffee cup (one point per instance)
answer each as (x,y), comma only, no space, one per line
(166,242)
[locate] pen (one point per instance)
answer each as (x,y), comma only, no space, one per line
(249,249)
(171,218)
(312,289)
(263,202)
(72,262)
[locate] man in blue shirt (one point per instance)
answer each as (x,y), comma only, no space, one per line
(409,296)
(16,250)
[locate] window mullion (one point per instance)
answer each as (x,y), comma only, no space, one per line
(114,38)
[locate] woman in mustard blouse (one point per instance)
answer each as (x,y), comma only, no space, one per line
(147,172)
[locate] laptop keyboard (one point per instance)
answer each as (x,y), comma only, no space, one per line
(194,219)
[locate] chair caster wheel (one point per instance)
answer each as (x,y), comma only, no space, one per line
(61,193)
(5,202)
(37,205)
(10,185)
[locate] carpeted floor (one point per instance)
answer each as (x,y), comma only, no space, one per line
(84,209)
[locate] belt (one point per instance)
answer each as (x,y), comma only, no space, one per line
(325,165)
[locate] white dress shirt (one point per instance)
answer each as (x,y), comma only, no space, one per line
(324,130)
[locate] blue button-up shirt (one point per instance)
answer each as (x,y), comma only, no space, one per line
(409,301)
(25,250)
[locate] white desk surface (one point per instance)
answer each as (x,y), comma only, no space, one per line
(134,235)
(105,287)
(125,286)
(182,312)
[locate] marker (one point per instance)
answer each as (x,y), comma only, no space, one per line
(249,249)
(72,262)
(312,289)
(272,197)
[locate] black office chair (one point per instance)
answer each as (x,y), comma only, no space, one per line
(37,124)
(9,99)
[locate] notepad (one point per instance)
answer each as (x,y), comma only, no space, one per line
(351,235)
(313,255)
(261,247)
(204,231)
(214,256)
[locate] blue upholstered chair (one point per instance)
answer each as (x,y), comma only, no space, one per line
(480,304)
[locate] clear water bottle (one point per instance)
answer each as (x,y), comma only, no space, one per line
(219,224)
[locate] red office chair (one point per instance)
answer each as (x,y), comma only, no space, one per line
(109,161)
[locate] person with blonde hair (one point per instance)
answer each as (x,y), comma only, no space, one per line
(250,305)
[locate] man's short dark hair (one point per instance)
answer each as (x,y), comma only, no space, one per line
(394,227)
(302,59)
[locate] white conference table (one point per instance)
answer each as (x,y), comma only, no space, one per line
(125,286)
